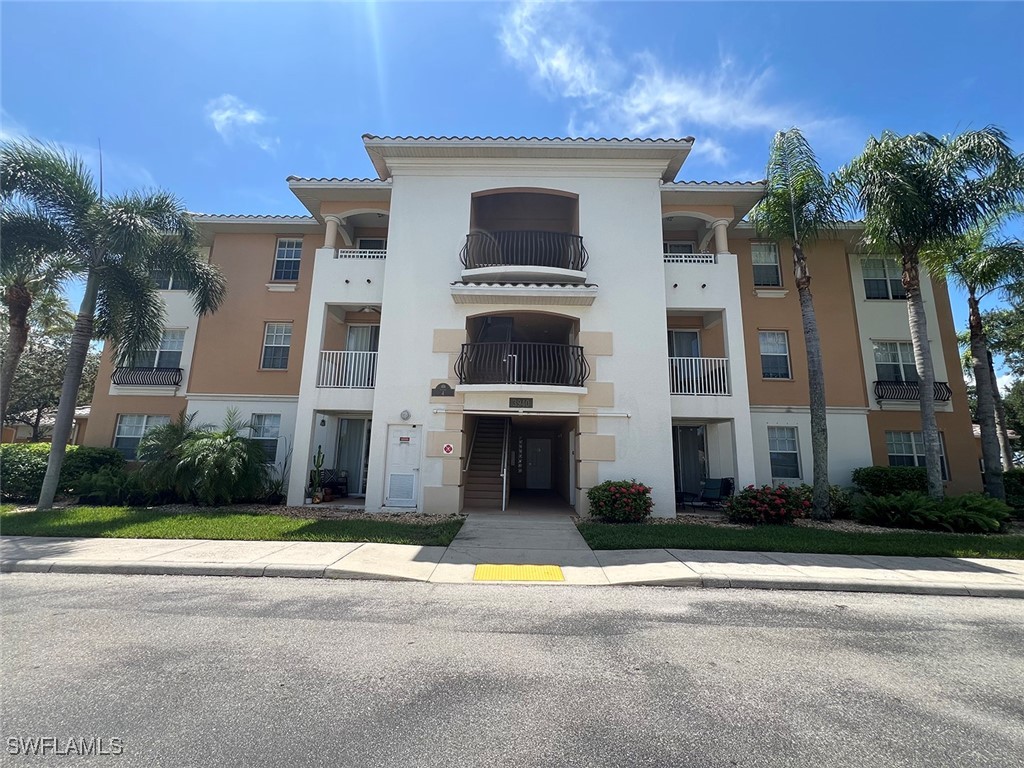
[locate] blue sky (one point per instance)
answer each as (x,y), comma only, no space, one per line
(220,102)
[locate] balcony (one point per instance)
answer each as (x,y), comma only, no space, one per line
(690,258)
(146,377)
(910,390)
(523,256)
(518,362)
(347,370)
(360,253)
(699,376)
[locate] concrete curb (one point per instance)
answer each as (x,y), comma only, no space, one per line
(705,581)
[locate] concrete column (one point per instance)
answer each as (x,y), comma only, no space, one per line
(331,238)
(721,236)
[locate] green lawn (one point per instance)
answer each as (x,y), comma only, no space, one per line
(143,523)
(7,508)
(770,538)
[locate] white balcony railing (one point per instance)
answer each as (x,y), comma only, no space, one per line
(699,375)
(347,370)
(691,258)
(360,253)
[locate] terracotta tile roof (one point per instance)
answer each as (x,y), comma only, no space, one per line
(336,180)
(214,217)
(714,183)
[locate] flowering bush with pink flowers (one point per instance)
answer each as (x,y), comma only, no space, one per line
(776,505)
(620,501)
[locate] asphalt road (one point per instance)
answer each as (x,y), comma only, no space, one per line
(193,671)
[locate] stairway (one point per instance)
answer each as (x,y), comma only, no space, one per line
(483,478)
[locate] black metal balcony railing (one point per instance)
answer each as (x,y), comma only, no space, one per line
(146,377)
(521,362)
(909,390)
(524,249)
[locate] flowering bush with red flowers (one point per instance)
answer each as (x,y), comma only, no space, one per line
(776,505)
(620,501)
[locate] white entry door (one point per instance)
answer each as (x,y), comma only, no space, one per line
(403,466)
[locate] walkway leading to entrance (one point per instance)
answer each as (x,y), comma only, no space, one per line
(519,539)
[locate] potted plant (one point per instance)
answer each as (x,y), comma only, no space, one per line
(315,475)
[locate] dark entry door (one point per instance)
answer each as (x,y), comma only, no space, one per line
(538,463)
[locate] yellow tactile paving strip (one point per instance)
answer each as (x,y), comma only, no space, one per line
(490,572)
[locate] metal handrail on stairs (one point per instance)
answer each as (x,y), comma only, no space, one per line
(504,464)
(472,442)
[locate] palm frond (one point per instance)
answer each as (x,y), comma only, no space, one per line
(53,179)
(800,201)
(129,311)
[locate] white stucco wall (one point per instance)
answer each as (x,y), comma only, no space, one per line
(848,442)
(886,320)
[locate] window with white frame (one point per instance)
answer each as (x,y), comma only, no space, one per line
(289,256)
(166,355)
(277,341)
(906,449)
(883,278)
(372,244)
(130,429)
(894,361)
(774,354)
(679,247)
(266,429)
(765,258)
(165,280)
(784,452)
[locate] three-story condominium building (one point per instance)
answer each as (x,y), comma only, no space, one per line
(493,321)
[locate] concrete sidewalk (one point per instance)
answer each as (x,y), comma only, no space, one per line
(554,544)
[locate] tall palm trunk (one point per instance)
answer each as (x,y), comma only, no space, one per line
(925,373)
(18,301)
(816,382)
(80,339)
(1002,429)
(986,400)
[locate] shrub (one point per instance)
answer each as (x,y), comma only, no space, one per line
(620,501)
(1014,482)
(23,467)
(775,505)
(223,467)
(890,481)
(840,502)
(912,509)
(974,513)
(112,486)
(970,513)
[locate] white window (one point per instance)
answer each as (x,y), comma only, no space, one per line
(906,449)
(678,247)
(372,244)
(784,453)
(883,278)
(166,355)
(130,429)
(289,256)
(774,354)
(165,280)
(894,361)
(266,429)
(765,257)
(277,341)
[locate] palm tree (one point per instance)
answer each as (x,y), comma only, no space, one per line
(112,243)
(223,466)
(918,190)
(33,269)
(800,202)
(982,263)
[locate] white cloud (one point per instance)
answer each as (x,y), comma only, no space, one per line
(233,120)
(637,95)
